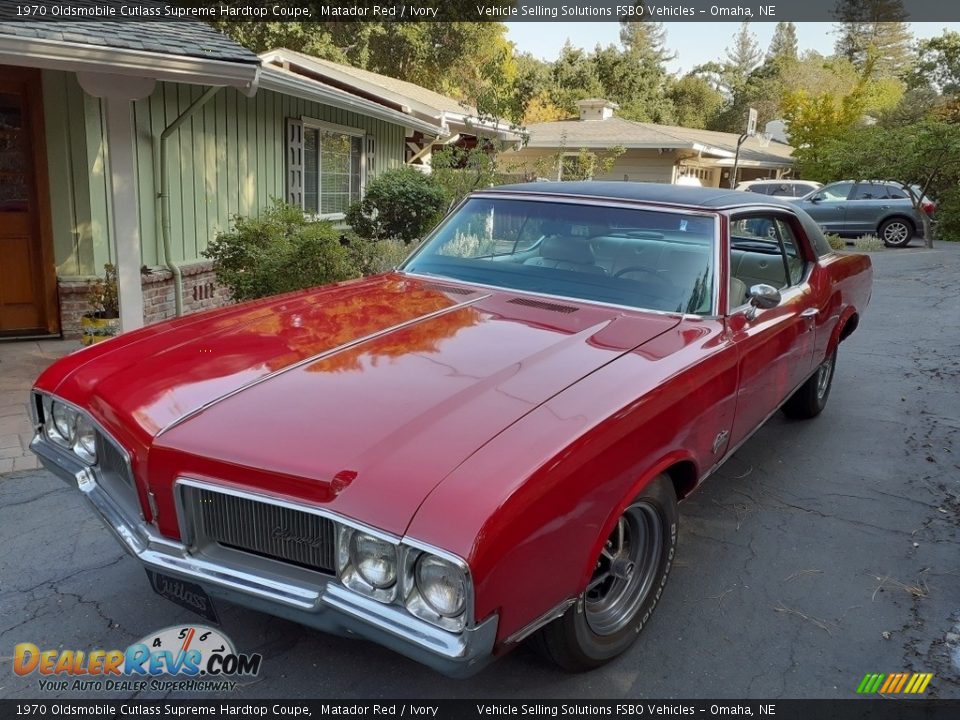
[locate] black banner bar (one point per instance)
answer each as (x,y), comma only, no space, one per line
(473,10)
(854,709)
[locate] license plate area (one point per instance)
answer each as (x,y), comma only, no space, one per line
(185,594)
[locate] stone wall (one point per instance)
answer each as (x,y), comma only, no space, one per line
(200,292)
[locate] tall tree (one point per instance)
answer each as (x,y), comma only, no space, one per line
(874,30)
(938,64)
(648,40)
(783,46)
(573,77)
(695,101)
(742,57)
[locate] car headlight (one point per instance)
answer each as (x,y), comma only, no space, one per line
(62,425)
(442,585)
(86,440)
(374,559)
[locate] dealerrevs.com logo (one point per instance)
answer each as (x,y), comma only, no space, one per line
(184,658)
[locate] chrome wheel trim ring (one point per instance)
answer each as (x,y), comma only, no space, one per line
(625,571)
(824,374)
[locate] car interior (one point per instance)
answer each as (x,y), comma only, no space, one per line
(762,251)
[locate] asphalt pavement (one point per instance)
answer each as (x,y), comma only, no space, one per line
(822,551)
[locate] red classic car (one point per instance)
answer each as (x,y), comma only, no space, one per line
(485,445)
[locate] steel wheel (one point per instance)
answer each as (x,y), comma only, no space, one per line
(625,571)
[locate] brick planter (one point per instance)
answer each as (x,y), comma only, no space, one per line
(200,292)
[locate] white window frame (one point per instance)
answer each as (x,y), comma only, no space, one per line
(323,125)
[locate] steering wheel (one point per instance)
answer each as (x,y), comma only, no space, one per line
(664,282)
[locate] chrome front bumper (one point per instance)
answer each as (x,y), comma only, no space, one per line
(324,603)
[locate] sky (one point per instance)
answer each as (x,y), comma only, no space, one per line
(694,42)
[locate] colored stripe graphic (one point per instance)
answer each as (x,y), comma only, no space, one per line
(894,683)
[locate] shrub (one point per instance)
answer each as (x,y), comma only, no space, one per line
(402,204)
(869,243)
(370,257)
(836,242)
(278,252)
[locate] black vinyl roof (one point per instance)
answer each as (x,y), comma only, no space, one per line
(698,197)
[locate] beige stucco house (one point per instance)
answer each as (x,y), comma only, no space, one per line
(652,153)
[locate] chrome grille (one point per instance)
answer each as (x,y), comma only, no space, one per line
(110,460)
(261,528)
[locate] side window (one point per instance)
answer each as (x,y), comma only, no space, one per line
(759,189)
(763,250)
(799,190)
(836,192)
(795,261)
(869,191)
(896,193)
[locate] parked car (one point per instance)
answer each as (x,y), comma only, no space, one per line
(485,445)
(868,207)
(780,188)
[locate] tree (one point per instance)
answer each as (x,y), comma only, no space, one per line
(742,58)
(938,64)
(695,101)
(573,77)
(924,154)
(783,46)
(647,40)
(634,82)
(874,29)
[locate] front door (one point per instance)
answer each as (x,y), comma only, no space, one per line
(27,275)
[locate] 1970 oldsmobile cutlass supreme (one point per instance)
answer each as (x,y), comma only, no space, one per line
(485,445)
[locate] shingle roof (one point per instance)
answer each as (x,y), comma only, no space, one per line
(418,94)
(615,131)
(165,37)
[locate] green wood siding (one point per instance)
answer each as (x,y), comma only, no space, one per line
(227,159)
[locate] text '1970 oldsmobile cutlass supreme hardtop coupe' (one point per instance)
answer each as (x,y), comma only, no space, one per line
(485,445)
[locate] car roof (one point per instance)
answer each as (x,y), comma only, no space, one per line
(662,194)
(783,181)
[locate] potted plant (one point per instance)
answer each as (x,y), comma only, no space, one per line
(103,319)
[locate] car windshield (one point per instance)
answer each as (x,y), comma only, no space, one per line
(647,259)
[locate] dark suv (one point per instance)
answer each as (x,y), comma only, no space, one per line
(867,207)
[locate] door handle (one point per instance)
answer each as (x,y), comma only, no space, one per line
(810,313)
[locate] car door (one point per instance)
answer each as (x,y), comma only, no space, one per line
(828,206)
(867,204)
(775,346)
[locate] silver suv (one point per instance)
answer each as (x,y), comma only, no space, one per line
(867,207)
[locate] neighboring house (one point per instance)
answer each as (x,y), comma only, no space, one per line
(652,153)
(136,142)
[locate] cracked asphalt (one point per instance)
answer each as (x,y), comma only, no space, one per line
(823,550)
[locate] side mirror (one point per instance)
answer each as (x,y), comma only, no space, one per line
(762,297)
(815,198)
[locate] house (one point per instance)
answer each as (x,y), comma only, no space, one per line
(461,122)
(652,153)
(135,142)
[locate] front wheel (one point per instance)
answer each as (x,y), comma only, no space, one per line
(811,398)
(896,232)
(628,578)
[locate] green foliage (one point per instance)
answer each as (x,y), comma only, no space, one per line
(875,32)
(784,47)
(695,101)
(371,257)
(835,241)
(938,64)
(460,171)
(278,252)
(103,294)
(869,243)
(401,204)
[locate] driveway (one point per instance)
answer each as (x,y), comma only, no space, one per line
(822,551)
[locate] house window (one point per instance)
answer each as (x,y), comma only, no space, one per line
(333,168)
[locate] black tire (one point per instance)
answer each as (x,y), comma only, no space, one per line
(596,629)
(896,231)
(810,400)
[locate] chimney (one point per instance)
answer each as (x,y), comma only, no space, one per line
(593,109)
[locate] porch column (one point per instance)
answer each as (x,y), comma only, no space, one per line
(118,93)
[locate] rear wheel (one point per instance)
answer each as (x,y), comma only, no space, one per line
(896,232)
(810,400)
(628,578)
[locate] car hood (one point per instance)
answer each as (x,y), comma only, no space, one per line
(363,397)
